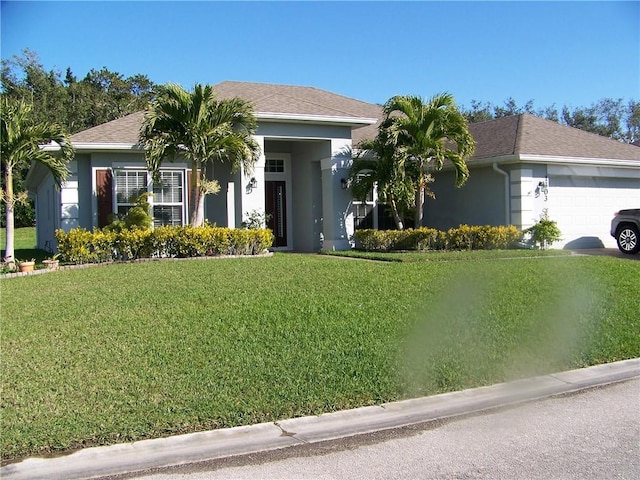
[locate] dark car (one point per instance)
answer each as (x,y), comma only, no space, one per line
(625,228)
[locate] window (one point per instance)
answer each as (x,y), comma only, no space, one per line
(129,184)
(363,211)
(362,215)
(274,165)
(167,201)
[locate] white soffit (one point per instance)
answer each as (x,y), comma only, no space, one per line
(300,118)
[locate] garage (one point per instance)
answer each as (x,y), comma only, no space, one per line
(583,206)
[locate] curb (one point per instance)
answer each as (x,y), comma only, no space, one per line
(202,446)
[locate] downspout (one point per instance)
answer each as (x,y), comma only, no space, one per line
(507,207)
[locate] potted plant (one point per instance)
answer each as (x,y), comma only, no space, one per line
(52,263)
(26,265)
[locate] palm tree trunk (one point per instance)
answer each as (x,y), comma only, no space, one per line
(198,217)
(396,216)
(194,203)
(419,206)
(199,220)
(9,202)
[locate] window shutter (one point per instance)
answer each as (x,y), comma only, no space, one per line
(104,187)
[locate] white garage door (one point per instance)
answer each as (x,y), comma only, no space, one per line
(584,206)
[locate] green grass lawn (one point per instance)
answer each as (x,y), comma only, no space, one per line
(24,243)
(131,351)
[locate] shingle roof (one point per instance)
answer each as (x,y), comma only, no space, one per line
(121,130)
(271,98)
(523,134)
(266,98)
(527,134)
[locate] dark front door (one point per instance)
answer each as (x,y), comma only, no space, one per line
(276,208)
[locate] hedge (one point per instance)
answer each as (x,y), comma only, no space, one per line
(464,237)
(82,246)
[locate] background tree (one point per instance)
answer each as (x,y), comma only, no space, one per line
(99,97)
(204,130)
(608,117)
(21,138)
(423,136)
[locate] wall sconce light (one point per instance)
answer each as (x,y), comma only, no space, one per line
(253,183)
(543,188)
(344,183)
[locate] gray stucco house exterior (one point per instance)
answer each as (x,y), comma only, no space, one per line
(522,165)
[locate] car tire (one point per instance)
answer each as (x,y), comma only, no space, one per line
(628,239)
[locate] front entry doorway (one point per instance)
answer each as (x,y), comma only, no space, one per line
(275,202)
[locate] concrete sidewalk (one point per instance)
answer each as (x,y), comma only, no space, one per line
(198,447)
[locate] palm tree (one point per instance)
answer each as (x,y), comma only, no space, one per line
(376,165)
(21,141)
(203,129)
(425,135)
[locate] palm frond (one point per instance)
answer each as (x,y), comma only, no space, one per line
(22,140)
(199,127)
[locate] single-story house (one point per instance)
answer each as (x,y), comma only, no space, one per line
(522,165)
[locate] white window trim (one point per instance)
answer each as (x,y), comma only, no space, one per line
(137,168)
(115,186)
(373,202)
(181,204)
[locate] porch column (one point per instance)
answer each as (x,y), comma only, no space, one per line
(522,195)
(252,196)
(69,199)
(337,224)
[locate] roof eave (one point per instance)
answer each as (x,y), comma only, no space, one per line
(323,119)
(562,160)
(550,160)
(101,146)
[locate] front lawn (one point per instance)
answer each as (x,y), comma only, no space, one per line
(24,242)
(23,238)
(131,351)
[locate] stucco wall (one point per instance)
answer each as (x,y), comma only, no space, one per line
(302,131)
(307,193)
(85,192)
(481,201)
(47,213)
(216,205)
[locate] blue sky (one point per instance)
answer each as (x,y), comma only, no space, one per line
(562,53)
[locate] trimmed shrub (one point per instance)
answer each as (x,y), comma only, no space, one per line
(133,244)
(249,241)
(375,240)
(424,239)
(544,232)
(82,246)
(464,237)
(103,243)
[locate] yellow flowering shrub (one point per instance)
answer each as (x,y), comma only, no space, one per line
(82,246)
(463,237)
